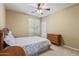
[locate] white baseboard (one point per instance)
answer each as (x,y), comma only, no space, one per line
(71,48)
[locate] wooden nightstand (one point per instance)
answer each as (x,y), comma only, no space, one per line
(56,39)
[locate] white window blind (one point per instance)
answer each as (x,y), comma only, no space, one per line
(34,27)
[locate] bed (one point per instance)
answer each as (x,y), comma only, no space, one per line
(31,45)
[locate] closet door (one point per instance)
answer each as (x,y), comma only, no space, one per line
(33,27)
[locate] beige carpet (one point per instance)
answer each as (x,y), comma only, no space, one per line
(59,51)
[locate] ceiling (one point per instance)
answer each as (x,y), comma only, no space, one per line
(29,8)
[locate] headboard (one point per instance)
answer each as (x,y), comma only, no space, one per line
(1,39)
(3,33)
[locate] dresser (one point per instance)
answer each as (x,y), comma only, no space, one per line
(54,38)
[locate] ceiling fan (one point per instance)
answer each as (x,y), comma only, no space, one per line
(41,7)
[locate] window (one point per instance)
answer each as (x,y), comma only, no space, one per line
(34,26)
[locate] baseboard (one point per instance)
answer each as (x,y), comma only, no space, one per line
(71,48)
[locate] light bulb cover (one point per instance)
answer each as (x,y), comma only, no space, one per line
(39,11)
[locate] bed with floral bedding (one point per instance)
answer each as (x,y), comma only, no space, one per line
(31,45)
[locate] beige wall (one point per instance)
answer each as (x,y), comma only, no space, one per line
(66,23)
(17,22)
(2,16)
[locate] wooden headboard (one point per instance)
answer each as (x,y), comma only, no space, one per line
(10,51)
(1,39)
(3,33)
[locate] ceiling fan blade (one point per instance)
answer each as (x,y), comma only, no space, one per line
(48,9)
(39,5)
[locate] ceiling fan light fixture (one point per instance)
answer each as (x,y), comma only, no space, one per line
(39,11)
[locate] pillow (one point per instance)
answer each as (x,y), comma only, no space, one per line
(10,32)
(10,35)
(10,41)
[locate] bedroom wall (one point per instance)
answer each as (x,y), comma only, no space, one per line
(2,16)
(66,23)
(17,22)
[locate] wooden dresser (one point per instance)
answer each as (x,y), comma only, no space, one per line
(56,39)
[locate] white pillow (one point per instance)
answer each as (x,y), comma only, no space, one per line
(10,35)
(9,39)
(10,32)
